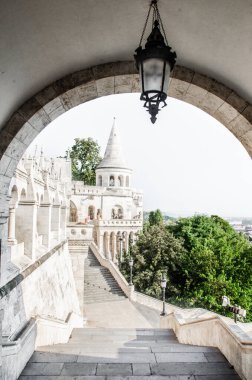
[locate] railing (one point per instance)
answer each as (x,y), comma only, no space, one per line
(119,222)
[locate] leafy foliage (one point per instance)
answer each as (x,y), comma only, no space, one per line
(85,155)
(217,261)
(155,217)
(203,258)
(155,252)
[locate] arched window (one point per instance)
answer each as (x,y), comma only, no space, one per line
(73,213)
(117,212)
(120,181)
(100,180)
(111,180)
(91,212)
(14,194)
(23,195)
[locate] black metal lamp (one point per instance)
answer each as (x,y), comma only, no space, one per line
(155,64)
(163,286)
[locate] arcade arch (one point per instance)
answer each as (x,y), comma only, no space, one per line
(221,102)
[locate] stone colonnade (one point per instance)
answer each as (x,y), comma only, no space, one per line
(114,243)
(33,224)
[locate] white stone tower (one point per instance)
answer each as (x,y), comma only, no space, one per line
(112,170)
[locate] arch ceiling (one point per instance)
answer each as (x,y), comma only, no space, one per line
(42,41)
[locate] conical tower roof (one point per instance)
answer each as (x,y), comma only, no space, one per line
(113,157)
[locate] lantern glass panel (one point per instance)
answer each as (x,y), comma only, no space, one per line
(153,71)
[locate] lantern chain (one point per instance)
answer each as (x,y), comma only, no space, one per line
(145,25)
(161,24)
(155,16)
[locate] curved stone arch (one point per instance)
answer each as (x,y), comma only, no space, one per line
(32,117)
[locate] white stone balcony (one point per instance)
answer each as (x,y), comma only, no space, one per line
(119,222)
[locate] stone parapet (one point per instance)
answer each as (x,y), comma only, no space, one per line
(203,328)
(38,332)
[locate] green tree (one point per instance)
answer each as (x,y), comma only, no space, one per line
(216,261)
(155,217)
(85,156)
(155,251)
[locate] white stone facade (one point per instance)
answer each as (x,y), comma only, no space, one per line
(113,207)
(39,205)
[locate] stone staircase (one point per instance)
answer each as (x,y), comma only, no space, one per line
(99,284)
(122,341)
(130,354)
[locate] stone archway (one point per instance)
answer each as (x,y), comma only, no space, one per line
(32,117)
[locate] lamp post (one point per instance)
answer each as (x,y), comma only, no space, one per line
(163,286)
(131,262)
(155,63)
(235,309)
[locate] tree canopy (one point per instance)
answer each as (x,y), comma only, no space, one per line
(203,257)
(155,252)
(155,217)
(85,156)
(217,261)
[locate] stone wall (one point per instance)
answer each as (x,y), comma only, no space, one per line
(46,288)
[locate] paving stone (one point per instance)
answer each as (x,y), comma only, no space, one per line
(44,369)
(120,358)
(215,357)
(183,348)
(218,377)
(181,357)
(79,369)
(191,368)
(55,357)
(114,369)
(62,378)
(172,377)
(141,369)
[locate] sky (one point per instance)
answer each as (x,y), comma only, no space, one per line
(186,163)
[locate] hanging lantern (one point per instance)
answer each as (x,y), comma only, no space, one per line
(155,63)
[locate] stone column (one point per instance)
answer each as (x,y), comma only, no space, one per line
(56,221)
(107,250)
(12,226)
(44,223)
(126,242)
(26,221)
(63,221)
(100,241)
(114,255)
(5,258)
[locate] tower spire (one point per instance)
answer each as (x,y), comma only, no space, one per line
(113,157)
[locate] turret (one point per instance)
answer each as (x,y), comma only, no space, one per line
(112,170)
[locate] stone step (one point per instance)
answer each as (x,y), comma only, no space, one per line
(127,353)
(95,289)
(99,284)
